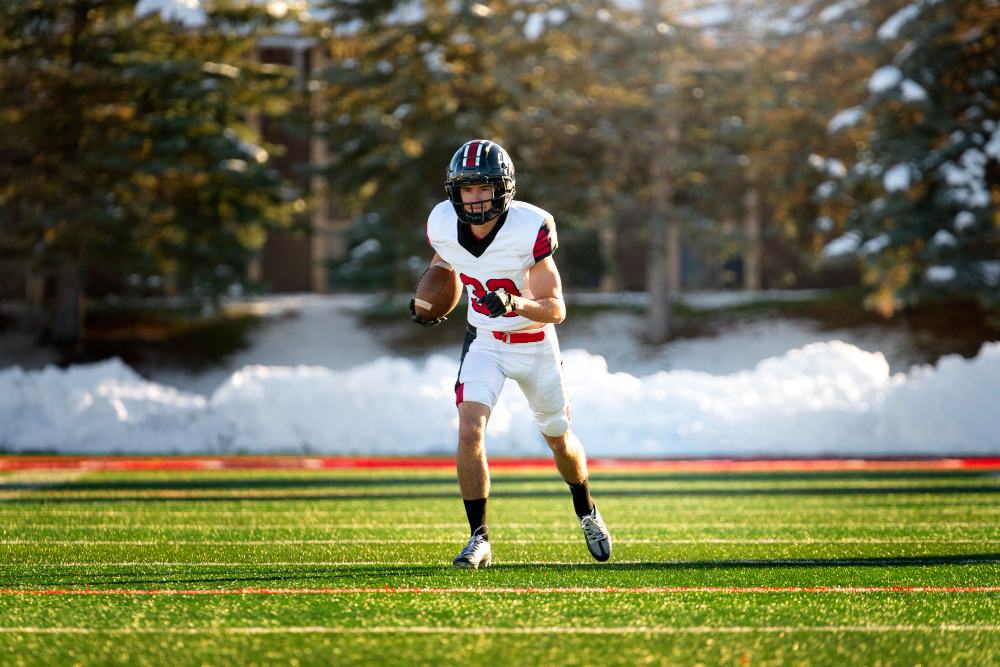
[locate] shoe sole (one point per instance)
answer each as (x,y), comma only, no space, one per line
(598,557)
(472,566)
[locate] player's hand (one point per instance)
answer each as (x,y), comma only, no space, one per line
(419,319)
(500,302)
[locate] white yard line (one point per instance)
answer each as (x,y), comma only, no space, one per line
(251,543)
(162,563)
(942,507)
(821,562)
(385,590)
(450,526)
(731,629)
(252,526)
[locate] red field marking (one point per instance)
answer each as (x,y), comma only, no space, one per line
(152,463)
(579,589)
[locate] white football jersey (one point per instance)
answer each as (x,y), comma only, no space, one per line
(501,259)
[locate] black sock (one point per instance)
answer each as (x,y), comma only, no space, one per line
(476,511)
(582,503)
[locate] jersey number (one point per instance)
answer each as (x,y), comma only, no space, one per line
(492,285)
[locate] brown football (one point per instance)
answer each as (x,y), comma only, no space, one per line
(437,292)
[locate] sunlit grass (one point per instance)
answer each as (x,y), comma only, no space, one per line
(378,529)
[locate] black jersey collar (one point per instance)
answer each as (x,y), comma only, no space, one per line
(468,240)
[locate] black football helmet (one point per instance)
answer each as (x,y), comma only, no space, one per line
(477,162)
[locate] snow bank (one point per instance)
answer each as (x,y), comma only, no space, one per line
(823,399)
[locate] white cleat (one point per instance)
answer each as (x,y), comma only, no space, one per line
(477,552)
(598,537)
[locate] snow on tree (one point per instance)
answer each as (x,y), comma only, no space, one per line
(927,182)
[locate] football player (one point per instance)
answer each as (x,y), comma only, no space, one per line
(502,250)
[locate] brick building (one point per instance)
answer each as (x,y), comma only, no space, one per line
(298,262)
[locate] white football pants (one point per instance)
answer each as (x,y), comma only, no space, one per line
(536,366)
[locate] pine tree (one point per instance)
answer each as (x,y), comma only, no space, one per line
(123,144)
(568,91)
(418,87)
(925,192)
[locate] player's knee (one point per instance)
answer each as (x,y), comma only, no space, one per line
(472,418)
(557,428)
(553,424)
(470,433)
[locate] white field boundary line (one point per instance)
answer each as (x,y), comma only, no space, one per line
(943,507)
(727,590)
(860,560)
(252,564)
(510,526)
(335,542)
(732,629)
(845,503)
(40,493)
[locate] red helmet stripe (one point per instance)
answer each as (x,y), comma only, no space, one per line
(470,157)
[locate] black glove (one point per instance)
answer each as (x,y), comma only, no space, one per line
(499,302)
(419,319)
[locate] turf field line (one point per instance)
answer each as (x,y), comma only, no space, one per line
(697,629)
(174,463)
(508,590)
(286,526)
(29,498)
(973,559)
(162,563)
(350,563)
(448,526)
(940,505)
(341,541)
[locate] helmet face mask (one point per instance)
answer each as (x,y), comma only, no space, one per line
(480,162)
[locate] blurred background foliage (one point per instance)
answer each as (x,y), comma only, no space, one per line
(858,136)
(125,149)
(755,91)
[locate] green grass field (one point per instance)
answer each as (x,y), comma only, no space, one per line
(303,539)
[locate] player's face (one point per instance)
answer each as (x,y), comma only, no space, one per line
(477,197)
